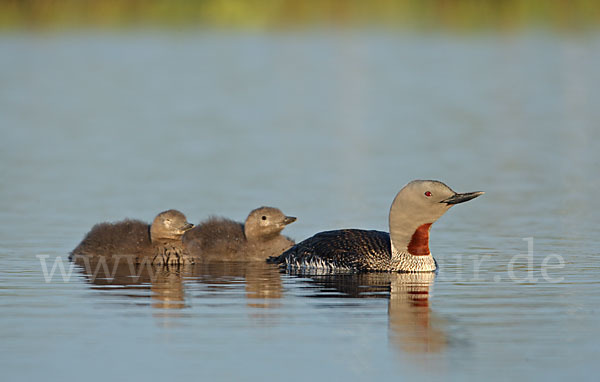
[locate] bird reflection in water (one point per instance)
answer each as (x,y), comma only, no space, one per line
(167,283)
(262,282)
(121,275)
(414,328)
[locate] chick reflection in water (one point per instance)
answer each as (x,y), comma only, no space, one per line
(137,281)
(261,282)
(166,285)
(123,278)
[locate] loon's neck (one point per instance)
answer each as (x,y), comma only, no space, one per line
(410,245)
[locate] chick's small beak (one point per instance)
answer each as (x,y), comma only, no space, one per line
(461,198)
(289,219)
(187,227)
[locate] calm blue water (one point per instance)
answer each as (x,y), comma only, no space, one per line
(327,126)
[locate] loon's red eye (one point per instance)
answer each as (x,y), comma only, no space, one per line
(428,193)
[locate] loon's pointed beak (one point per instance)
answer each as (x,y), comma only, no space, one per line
(460,198)
(289,219)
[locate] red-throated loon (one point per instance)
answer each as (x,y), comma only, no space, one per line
(405,249)
(256,239)
(159,243)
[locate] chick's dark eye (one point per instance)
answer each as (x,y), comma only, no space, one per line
(264,218)
(428,193)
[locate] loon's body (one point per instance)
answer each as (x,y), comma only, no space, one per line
(349,250)
(158,243)
(257,238)
(405,249)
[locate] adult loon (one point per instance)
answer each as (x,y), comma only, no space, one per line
(223,239)
(158,243)
(405,249)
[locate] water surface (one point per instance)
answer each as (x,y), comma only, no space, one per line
(327,126)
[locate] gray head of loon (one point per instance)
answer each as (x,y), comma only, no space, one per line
(415,208)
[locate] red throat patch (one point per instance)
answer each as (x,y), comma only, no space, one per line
(419,242)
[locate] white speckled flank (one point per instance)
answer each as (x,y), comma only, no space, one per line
(315,263)
(403,262)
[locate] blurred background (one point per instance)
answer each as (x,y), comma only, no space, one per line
(129,107)
(455,15)
(112,109)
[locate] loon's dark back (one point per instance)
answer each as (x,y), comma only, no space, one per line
(346,249)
